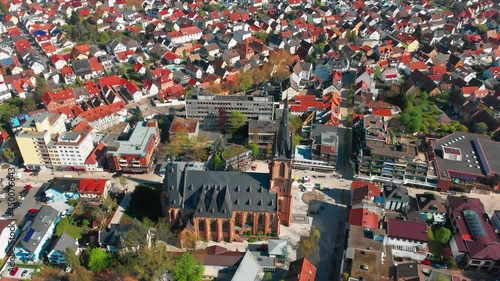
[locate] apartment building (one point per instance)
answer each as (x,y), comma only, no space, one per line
(35,135)
(213,110)
(407,239)
(69,150)
(134,152)
(185,35)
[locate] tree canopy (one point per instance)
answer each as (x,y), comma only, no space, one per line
(238,119)
(480,128)
(187,268)
(99,260)
(309,247)
(442,235)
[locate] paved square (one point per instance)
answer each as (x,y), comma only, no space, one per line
(303,219)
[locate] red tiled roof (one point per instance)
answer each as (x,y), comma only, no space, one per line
(382,112)
(96,154)
(96,113)
(363,217)
(92,186)
(301,270)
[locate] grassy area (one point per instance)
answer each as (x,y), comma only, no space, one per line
(75,231)
(233,151)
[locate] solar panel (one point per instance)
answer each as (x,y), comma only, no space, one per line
(28,235)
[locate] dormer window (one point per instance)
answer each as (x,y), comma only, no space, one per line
(237,201)
(212,210)
(237,189)
(249,189)
(199,210)
(249,202)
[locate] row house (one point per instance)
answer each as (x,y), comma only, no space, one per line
(100,118)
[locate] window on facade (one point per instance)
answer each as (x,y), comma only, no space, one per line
(282,170)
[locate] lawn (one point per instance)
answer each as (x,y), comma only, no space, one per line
(75,231)
(233,151)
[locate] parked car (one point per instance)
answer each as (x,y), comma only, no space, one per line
(307,187)
(14,271)
(317,185)
(306,179)
(438,265)
(426,262)
(24,273)
(28,187)
(33,211)
(20,197)
(28,170)
(2,195)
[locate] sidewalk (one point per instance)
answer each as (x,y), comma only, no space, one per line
(121,208)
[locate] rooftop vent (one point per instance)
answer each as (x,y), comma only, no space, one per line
(470,166)
(479,167)
(249,202)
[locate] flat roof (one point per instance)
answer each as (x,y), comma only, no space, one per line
(366,259)
(181,125)
(478,154)
(360,238)
(390,150)
(138,140)
(230,98)
(262,127)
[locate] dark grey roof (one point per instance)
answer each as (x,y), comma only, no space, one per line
(217,193)
(407,270)
(64,242)
(33,235)
(64,184)
(396,193)
(113,236)
(473,148)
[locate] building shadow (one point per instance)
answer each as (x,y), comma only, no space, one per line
(330,219)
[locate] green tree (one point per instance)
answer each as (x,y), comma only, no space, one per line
(462,128)
(268,276)
(74,18)
(136,118)
(99,260)
(40,88)
(238,119)
(104,38)
(9,155)
(377,72)
(482,28)
(3,8)
(296,139)
(442,235)
(262,35)
(245,81)
(255,149)
(149,263)
(217,162)
(187,268)
(309,247)
(72,260)
(480,128)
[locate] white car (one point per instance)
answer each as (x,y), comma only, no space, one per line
(20,197)
(2,195)
(306,179)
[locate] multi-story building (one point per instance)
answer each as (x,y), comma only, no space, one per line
(69,150)
(399,163)
(474,243)
(135,152)
(466,161)
(214,110)
(224,205)
(262,132)
(35,136)
(431,208)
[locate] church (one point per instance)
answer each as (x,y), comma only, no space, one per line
(226,205)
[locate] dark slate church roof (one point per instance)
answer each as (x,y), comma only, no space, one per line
(283,141)
(218,193)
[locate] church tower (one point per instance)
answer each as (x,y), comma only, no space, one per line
(281,167)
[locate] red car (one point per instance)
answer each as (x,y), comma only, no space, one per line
(28,170)
(14,271)
(28,186)
(426,262)
(33,211)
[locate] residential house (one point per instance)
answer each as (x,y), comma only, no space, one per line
(364,192)
(60,190)
(36,236)
(301,270)
(8,235)
(82,69)
(94,188)
(277,248)
(97,158)
(364,217)
(112,238)
(59,99)
(114,46)
(80,52)
(303,70)
(431,208)
(100,118)
(407,239)
(57,253)
(396,198)
(58,61)
(68,75)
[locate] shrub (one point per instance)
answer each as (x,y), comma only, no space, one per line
(73,202)
(260,233)
(251,240)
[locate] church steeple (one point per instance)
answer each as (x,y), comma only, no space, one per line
(283,139)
